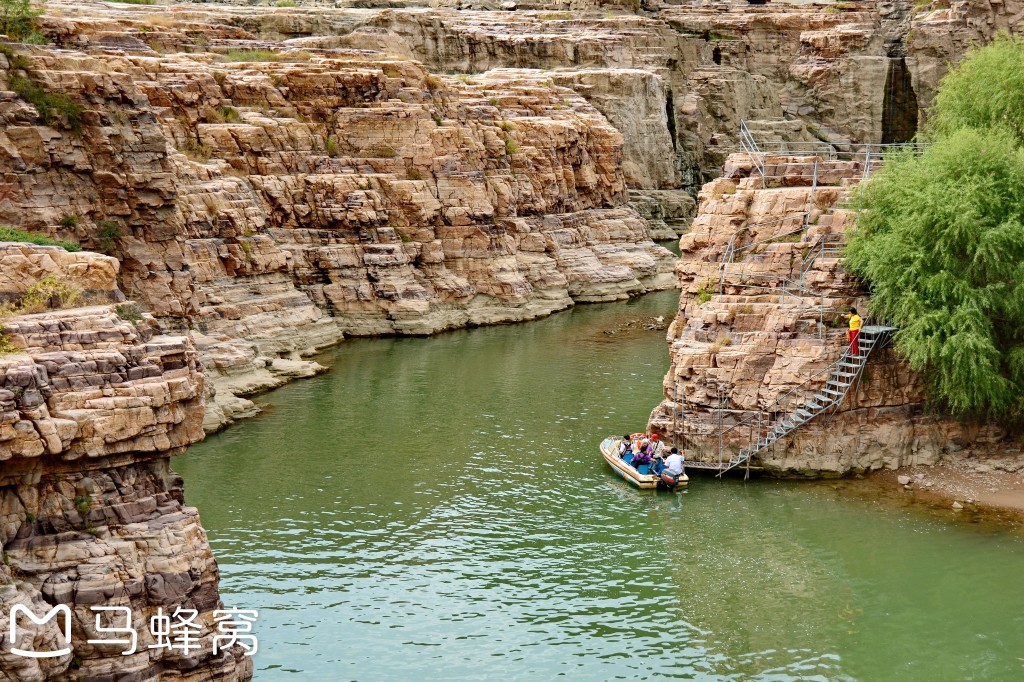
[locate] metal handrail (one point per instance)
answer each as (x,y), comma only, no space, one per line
(811,162)
(876,152)
(819,152)
(769,423)
(810,197)
(763,223)
(767,240)
(869,152)
(820,248)
(860,147)
(785,404)
(750,147)
(729,256)
(785,284)
(730,249)
(818,148)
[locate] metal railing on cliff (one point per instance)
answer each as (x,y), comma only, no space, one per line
(799,405)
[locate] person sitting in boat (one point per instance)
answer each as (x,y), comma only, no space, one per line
(636,444)
(641,453)
(675,462)
(625,446)
(656,446)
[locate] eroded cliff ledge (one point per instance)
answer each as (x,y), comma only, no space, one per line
(274,179)
(272,199)
(92,407)
(763,294)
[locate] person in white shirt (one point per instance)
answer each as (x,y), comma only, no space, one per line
(674,463)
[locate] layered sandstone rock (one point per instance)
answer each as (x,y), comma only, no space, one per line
(942,32)
(655,82)
(93,277)
(761,313)
(828,63)
(274,179)
(272,200)
(92,406)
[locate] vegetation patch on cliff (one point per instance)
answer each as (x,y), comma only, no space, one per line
(48,293)
(51,106)
(264,56)
(942,239)
(18,21)
(8,234)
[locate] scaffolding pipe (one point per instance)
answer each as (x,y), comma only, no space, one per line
(810,199)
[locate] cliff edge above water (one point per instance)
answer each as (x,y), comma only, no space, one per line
(92,408)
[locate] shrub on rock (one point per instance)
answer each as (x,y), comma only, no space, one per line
(941,239)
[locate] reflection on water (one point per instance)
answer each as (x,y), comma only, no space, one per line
(438,508)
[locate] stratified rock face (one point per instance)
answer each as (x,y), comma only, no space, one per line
(865,72)
(92,406)
(827,63)
(942,32)
(272,200)
(274,179)
(654,81)
(753,327)
(94,277)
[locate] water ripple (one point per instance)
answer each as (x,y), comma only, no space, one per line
(489,541)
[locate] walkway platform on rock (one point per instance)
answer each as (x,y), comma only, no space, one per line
(821,393)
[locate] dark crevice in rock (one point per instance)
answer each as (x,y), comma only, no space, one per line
(900,110)
(670,113)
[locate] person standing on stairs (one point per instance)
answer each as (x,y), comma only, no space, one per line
(853,335)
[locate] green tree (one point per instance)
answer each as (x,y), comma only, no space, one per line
(941,241)
(18,21)
(986,90)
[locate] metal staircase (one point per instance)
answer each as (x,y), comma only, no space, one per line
(741,272)
(810,399)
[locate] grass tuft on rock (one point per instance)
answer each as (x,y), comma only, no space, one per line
(52,107)
(224,114)
(108,233)
(128,312)
(8,234)
(18,21)
(264,56)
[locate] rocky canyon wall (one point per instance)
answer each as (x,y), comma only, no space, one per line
(943,31)
(761,313)
(92,407)
(272,197)
(267,181)
(275,179)
(763,286)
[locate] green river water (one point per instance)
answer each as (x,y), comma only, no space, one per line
(437,508)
